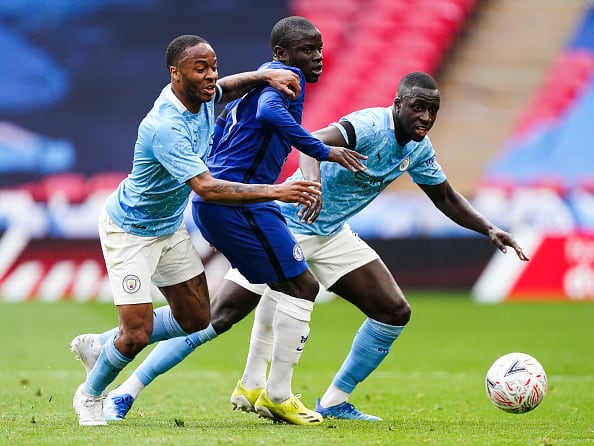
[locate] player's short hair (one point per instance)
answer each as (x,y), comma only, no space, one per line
(415,79)
(177,47)
(289,29)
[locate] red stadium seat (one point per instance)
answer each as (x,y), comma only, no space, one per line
(71,187)
(105,181)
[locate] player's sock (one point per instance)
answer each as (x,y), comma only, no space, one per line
(107,335)
(132,386)
(371,345)
(164,327)
(109,364)
(261,341)
(333,396)
(171,352)
(291,330)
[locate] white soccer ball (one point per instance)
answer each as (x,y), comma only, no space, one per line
(516,383)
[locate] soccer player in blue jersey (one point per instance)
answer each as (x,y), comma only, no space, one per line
(395,140)
(141,228)
(260,129)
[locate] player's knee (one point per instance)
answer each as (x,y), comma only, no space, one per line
(304,286)
(131,342)
(404,312)
(397,313)
(223,321)
(192,319)
(194,324)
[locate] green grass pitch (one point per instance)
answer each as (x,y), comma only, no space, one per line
(429,390)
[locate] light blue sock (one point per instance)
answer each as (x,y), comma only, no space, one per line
(171,352)
(107,335)
(109,364)
(371,345)
(164,327)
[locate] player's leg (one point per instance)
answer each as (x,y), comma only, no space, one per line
(363,280)
(290,332)
(87,347)
(274,256)
(180,276)
(231,304)
(250,386)
(188,299)
(372,341)
(130,261)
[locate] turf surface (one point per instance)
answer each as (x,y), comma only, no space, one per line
(430,389)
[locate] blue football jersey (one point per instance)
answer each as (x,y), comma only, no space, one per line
(259,130)
(171,148)
(345,193)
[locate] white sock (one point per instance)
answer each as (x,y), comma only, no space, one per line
(333,397)
(132,385)
(291,330)
(261,341)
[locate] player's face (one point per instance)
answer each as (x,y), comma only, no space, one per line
(304,53)
(195,77)
(415,114)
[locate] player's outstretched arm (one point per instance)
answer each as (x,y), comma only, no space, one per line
(221,191)
(236,85)
(460,211)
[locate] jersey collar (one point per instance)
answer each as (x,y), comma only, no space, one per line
(174,99)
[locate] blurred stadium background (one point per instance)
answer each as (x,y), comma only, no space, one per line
(515,133)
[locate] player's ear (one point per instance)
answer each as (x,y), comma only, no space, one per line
(397,103)
(173,71)
(280,54)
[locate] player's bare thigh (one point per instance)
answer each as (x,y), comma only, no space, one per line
(373,290)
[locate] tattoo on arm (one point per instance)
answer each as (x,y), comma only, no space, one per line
(237,85)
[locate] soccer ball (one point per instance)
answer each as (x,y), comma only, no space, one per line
(516,383)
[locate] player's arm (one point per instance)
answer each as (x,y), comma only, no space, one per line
(212,189)
(236,85)
(273,111)
(459,210)
(310,168)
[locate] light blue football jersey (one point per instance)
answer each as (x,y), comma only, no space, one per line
(345,193)
(171,148)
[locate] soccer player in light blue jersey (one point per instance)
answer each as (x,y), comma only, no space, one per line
(395,141)
(141,228)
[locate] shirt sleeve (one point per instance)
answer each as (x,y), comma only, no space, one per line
(427,170)
(272,109)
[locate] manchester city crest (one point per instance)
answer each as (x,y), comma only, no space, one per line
(404,164)
(131,283)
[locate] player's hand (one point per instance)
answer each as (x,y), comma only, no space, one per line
(301,192)
(347,158)
(284,81)
(501,239)
(309,214)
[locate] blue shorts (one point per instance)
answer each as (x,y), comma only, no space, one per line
(255,239)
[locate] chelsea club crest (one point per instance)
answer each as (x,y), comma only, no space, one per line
(298,252)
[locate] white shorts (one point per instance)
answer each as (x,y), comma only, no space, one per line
(133,262)
(329,258)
